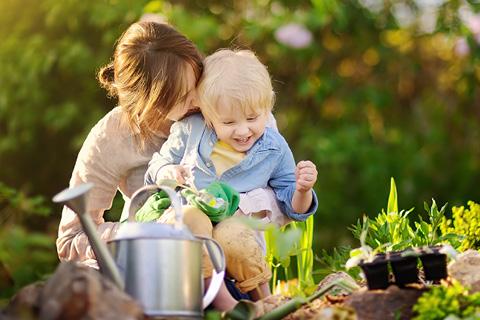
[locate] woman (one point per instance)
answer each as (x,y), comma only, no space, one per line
(153,74)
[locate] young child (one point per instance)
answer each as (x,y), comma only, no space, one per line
(231,143)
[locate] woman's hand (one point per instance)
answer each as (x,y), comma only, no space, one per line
(175,172)
(305,176)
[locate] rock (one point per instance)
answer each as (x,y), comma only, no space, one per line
(390,304)
(24,303)
(74,292)
(269,303)
(79,292)
(336,313)
(465,269)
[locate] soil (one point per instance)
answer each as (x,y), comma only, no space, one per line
(393,303)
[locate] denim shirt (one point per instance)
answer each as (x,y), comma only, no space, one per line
(268,162)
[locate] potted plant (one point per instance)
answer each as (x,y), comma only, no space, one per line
(376,271)
(404,266)
(374,264)
(434,260)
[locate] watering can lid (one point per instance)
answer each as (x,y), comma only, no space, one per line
(152,230)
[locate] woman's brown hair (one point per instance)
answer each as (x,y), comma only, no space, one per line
(148,74)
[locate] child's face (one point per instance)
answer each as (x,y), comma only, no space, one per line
(238,129)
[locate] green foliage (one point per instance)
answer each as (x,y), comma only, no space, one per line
(390,232)
(50,97)
(465,221)
(26,256)
(244,309)
(426,234)
(17,205)
(452,301)
(282,245)
(305,257)
(293,241)
(336,263)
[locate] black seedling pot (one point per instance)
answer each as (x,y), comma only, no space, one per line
(434,263)
(376,272)
(404,268)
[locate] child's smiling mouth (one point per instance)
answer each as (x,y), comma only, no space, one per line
(244,140)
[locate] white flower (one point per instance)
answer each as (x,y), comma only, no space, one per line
(449,251)
(294,35)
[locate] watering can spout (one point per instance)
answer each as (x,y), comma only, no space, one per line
(76,199)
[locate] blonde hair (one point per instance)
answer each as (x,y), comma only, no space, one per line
(149,75)
(238,77)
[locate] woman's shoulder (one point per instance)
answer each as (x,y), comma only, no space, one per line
(111,121)
(109,133)
(111,125)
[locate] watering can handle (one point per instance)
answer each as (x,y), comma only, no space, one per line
(217,256)
(215,251)
(137,197)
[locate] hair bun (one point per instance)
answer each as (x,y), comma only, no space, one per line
(106,77)
(107,73)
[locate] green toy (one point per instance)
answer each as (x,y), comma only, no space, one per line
(218,200)
(154,207)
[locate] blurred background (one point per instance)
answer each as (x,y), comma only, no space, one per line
(366,89)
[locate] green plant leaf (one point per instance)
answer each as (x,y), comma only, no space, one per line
(244,310)
(392,197)
(285,261)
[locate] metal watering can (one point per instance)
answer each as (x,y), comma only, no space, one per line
(158,264)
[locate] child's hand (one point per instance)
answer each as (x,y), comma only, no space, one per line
(175,172)
(305,176)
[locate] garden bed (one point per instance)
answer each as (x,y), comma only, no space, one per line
(77,292)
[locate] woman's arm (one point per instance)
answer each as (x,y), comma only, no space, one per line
(92,166)
(109,159)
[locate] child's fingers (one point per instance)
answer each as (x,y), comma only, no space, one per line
(307,165)
(306,168)
(180,174)
(306,175)
(305,184)
(177,173)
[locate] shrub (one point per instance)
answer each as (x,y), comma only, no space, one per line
(441,302)
(466,222)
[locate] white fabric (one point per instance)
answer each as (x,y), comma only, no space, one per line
(262,204)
